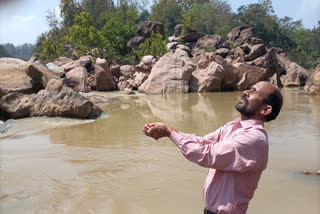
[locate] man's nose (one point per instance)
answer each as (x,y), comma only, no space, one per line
(246,93)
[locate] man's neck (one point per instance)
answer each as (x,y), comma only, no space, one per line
(254,117)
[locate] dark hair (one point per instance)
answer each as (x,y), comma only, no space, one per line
(275,100)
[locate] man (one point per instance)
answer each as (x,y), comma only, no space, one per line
(236,154)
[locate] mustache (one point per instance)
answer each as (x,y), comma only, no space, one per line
(245,98)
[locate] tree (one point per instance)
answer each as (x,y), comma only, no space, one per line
(155,46)
(167,12)
(4,52)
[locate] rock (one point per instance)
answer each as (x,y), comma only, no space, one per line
(34,58)
(148,27)
(104,80)
(115,70)
(55,100)
(173,39)
(139,78)
(128,91)
(207,43)
(84,61)
(96,99)
(56,70)
(208,79)
(255,51)
(235,55)
(13,78)
(227,76)
(313,84)
(126,71)
(171,74)
(253,74)
(178,30)
(192,37)
(125,84)
(3,127)
(40,75)
(295,75)
(181,53)
(240,35)
(77,79)
(171,45)
(184,48)
(222,52)
(135,42)
(148,60)
(62,60)
(102,63)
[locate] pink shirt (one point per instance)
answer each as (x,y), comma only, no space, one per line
(236,154)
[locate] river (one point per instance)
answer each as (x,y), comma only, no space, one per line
(56,165)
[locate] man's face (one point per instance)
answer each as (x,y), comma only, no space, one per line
(252,100)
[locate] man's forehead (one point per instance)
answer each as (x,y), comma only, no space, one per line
(264,87)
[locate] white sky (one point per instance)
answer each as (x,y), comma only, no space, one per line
(23,21)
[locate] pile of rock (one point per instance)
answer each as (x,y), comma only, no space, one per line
(217,65)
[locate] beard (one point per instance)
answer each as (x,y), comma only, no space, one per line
(242,107)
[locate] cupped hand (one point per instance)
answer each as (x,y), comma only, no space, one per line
(156,130)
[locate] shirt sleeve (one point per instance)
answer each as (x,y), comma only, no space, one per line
(243,152)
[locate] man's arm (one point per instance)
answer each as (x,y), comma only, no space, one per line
(244,151)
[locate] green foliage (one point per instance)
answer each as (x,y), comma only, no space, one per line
(167,12)
(155,46)
(51,50)
(210,17)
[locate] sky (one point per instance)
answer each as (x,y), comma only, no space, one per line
(22,21)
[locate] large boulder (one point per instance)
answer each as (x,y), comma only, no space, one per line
(192,37)
(213,74)
(142,70)
(40,75)
(295,75)
(312,86)
(207,43)
(103,79)
(77,79)
(13,78)
(178,30)
(249,75)
(240,35)
(171,74)
(208,79)
(102,63)
(255,51)
(55,100)
(84,61)
(135,42)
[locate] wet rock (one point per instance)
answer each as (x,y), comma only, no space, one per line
(171,74)
(55,100)
(96,99)
(313,84)
(3,127)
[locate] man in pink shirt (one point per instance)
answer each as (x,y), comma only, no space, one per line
(236,154)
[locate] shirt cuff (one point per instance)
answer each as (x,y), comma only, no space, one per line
(175,137)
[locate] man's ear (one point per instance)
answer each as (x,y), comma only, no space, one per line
(266,110)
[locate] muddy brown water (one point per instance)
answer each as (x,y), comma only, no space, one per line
(56,165)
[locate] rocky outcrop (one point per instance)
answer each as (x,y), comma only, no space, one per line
(312,86)
(207,43)
(55,100)
(142,70)
(171,74)
(145,31)
(240,35)
(13,78)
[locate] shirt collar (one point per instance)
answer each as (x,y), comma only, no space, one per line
(251,122)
